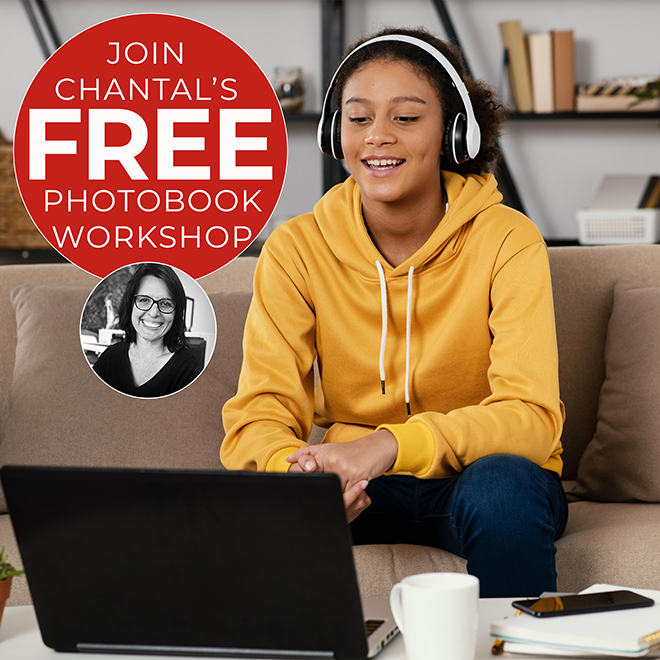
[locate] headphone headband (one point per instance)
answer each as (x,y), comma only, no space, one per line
(472,131)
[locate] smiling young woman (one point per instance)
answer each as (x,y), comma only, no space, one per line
(428,306)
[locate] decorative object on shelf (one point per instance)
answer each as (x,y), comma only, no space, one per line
(289,88)
(7,572)
(632,94)
(626,209)
(17,231)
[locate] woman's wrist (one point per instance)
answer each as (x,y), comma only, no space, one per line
(389,445)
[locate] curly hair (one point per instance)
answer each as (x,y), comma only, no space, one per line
(175,337)
(488,111)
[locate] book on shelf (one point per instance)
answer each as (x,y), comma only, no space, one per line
(623,633)
(542,71)
(615,95)
(563,53)
(520,81)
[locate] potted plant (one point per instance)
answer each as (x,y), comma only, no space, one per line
(650,91)
(7,572)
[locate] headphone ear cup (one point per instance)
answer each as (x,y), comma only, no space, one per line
(324,137)
(454,142)
(337,151)
(330,141)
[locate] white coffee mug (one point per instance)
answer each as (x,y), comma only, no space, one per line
(437,613)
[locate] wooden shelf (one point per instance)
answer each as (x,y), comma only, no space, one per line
(314,117)
(302,117)
(27,256)
(581,116)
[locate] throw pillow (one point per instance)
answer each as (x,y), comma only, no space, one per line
(61,413)
(622,461)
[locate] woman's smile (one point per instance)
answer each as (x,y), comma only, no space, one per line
(151,324)
(383,166)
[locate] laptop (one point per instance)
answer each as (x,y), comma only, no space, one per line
(185,562)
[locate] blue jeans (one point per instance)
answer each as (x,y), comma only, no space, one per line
(502,513)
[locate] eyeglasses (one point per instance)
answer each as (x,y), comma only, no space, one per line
(145,303)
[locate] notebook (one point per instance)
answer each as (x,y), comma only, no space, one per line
(626,633)
(191,562)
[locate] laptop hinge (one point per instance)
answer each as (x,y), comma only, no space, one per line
(200,651)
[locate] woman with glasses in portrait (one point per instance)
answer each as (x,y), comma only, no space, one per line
(154,358)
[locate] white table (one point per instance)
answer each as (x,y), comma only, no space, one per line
(20,638)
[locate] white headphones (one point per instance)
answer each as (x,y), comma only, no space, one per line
(462,137)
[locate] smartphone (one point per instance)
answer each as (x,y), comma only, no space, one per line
(583,603)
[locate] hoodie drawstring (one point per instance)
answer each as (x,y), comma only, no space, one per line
(408,333)
(383,336)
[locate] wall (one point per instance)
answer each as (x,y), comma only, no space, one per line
(557,165)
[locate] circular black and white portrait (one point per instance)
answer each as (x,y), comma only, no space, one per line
(148,330)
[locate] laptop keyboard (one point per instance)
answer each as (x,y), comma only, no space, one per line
(373,625)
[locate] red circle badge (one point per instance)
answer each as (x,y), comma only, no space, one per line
(150,137)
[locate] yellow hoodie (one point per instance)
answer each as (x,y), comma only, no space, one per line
(462,333)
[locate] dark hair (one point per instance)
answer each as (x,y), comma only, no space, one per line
(488,111)
(175,337)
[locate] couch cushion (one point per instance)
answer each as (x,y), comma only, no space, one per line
(380,567)
(62,414)
(610,543)
(622,462)
(235,276)
(583,279)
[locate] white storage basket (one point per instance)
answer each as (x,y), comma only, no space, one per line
(618,226)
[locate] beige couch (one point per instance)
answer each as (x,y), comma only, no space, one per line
(54,410)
